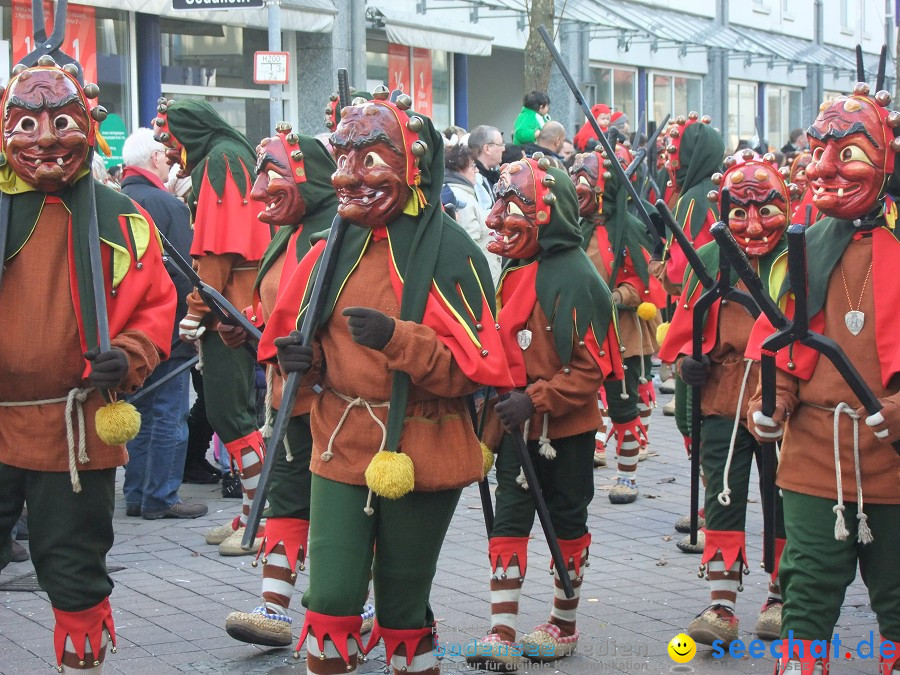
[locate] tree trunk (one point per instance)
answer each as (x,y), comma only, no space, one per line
(537,57)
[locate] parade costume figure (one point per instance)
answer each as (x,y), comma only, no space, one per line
(586,134)
(293,184)
(759,215)
(60,443)
(407,332)
(557,323)
(694,153)
(796,175)
(229,241)
(607,226)
(838,473)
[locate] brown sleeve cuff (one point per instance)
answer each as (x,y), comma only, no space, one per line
(143,357)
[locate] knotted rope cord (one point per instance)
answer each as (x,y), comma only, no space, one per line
(864,533)
(725,495)
(358,402)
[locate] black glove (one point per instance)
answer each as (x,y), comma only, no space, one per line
(292,356)
(515,410)
(369,327)
(694,372)
(108,369)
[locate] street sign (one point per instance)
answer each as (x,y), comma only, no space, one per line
(217,4)
(271,67)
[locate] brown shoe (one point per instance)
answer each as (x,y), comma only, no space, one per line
(714,623)
(179,509)
(19,552)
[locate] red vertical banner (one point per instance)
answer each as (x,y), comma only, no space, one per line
(81,34)
(398,68)
(422,82)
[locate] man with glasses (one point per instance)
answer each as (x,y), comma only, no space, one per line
(487,144)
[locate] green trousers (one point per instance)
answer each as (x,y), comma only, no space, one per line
(816,569)
(288,495)
(69,533)
(682,407)
(403,535)
(567,483)
(229,376)
(715,436)
(620,409)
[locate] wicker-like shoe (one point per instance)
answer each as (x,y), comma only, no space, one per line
(714,623)
(260,628)
(546,643)
(669,408)
(599,458)
(368,619)
(768,625)
(495,653)
(232,545)
(643,453)
(683,524)
(685,545)
(219,534)
(624,491)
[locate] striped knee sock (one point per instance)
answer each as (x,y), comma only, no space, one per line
(627,449)
(424,658)
(562,614)
(277,581)
(723,584)
(328,660)
(506,588)
(91,663)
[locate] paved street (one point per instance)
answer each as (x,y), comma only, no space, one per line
(174,591)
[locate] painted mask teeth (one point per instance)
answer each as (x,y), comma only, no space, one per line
(59,160)
(765,240)
(38,162)
(840,192)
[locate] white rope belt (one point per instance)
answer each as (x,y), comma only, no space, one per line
(725,495)
(864,534)
(74,401)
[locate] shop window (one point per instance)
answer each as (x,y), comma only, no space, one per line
(782,114)
(617,88)
(424,74)
(741,113)
(95,36)
(675,94)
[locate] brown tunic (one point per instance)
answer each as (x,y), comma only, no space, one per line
(570,398)
(727,366)
(229,274)
(636,335)
(437,433)
(41,356)
(268,293)
(807,456)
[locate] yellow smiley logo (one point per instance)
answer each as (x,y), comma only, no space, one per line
(682,648)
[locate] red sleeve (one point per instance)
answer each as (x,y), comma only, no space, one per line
(287,307)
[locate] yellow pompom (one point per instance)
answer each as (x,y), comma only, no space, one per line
(487,459)
(117,423)
(661,331)
(646,311)
(390,474)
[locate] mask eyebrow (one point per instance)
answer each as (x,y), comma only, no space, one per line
(838,134)
(44,103)
(752,199)
(509,188)
(363,140)
(268,158)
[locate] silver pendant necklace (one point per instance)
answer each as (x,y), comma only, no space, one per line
(855,319)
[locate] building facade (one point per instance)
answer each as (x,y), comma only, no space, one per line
(759,67)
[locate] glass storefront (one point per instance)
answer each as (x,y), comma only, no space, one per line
(215,63)
(675,95)
(741,113)
(95,36)
(783,113)
(617,87)
(424,74)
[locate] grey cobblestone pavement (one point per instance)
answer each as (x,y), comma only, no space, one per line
(174,591)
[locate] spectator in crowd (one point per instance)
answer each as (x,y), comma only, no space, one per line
(459,175)
(512,153)
(487,144)
(586,133)
(532,117)
(796,142)
(550,141)
(619,121)
(156,455)
(568,150)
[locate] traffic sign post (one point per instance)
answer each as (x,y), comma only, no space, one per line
(271,67)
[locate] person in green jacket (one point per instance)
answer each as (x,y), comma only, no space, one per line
(534,113)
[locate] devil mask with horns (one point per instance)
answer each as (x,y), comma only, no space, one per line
(760,201)
(853,147)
